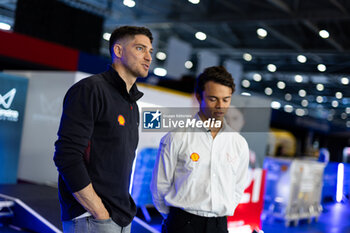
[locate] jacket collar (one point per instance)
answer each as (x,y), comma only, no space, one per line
(115,80)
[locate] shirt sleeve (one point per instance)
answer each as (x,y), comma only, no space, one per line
(76,127)
(242,173)
(163,173)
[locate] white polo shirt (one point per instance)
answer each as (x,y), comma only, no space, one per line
(199,174)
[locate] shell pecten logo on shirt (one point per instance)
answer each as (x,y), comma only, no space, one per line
(121,120)
(194,157)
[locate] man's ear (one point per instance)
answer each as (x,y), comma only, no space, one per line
(198,97)
(118,50)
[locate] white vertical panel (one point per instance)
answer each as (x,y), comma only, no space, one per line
(178,52)
(236,69)
(206,59)
(41,121)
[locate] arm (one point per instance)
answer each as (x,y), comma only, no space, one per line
(163,174)
(88,198)
(76,127)
(242,173)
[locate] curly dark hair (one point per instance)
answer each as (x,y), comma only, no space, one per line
(125,31)
(217,74)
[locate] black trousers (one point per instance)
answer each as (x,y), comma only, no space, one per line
(179,221)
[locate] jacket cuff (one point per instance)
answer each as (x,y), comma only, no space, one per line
(76,177)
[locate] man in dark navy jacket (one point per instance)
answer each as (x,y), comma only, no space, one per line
(98,136)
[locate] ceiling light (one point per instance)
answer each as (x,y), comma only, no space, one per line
(301,58)
(106,36)
(201,35)
(275,105)
(161,56)
(319,99)
(245,83)
(302,93)
(194,1)
(324,34)
(335,104)
(129,3)
(304,103)
(188,64)
(160,71)
(281,85)
(298,78)
(338,95)
(321,67)
(262,33)
(257,77)
(271,67)
(347,110)
(300,112)
(247,56)
(344,80)
(288,108)
(246,94)
(344,116)
(268,91)
(288,97)
(5,26)
(320,87)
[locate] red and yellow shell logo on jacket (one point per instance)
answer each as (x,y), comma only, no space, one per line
(121,120)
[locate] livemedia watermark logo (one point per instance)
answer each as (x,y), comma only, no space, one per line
(152,119)
(165,119)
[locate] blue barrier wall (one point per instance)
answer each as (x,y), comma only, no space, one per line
(13,92)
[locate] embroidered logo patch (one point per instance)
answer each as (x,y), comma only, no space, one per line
(121,120)
(230,158)
(194,157)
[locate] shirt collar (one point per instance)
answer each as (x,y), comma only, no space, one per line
(115,80)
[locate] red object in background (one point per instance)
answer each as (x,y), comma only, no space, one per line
(38,51)
(249,210)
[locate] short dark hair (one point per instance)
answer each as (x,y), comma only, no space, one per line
(125,31)
(216,74)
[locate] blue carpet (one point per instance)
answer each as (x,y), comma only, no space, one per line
(334,219)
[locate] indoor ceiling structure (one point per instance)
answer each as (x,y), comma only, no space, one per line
(294,52)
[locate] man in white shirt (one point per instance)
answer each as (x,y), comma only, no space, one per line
(199,175)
